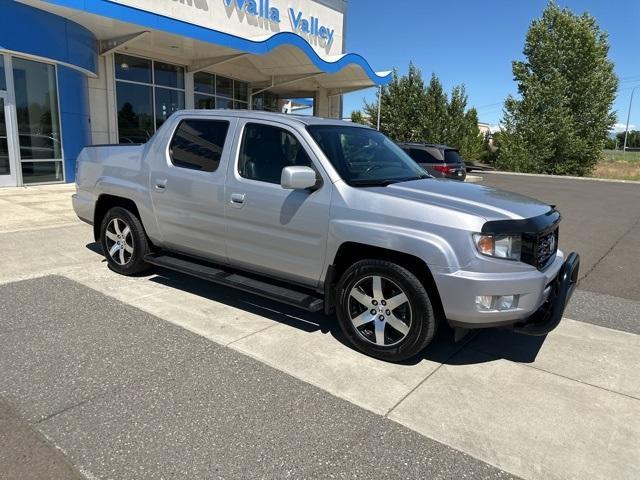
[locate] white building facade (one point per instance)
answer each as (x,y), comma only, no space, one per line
(75,73)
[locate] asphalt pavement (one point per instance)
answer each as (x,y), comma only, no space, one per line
(601,221)
(126,395)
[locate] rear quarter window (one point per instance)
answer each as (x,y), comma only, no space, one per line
(422,156)
(452,156)
(198,144)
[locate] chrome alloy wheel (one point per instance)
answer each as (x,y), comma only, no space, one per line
(380,311)
(119,241)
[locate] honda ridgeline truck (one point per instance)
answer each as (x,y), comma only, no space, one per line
(327,216)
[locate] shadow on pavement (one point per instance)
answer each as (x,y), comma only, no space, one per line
(95,247)
(486,345)
(308,322)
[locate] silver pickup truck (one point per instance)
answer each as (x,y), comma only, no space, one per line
(327,216)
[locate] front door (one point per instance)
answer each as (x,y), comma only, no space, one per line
(269,229)
(8,152)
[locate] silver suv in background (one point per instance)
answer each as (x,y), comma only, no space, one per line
(439,161)
(326,216)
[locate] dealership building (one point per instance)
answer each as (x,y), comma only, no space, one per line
(85,72)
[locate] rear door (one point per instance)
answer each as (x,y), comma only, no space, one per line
(272,230)
(188,187)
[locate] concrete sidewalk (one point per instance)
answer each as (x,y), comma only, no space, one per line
(566,406)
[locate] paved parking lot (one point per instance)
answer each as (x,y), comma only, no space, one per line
(166,376)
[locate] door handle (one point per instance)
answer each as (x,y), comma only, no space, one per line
(237,199)
(161,185)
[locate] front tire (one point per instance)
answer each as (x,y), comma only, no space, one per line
(124,242)
(384,310)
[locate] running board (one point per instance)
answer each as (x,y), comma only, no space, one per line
(207,271)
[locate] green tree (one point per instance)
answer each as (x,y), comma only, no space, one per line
(567,86)
(633,139)
(357,117)
(402,103)
(471,144)
(611,143)
(413,112)
(435,121)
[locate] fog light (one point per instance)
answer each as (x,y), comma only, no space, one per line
(508,302)
(497,302)
(484,302)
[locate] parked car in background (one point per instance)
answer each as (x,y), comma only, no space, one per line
(439,161)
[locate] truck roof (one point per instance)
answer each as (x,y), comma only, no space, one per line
(279,117)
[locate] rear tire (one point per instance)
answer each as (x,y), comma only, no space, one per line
(384,310)
(124,242)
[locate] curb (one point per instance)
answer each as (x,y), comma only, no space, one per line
(474,179)
(563,177)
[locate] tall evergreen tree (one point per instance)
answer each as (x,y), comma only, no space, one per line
(435,122)
(402,106)
(413,112)
(471,143)
(567,86)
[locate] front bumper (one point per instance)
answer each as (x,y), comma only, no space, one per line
(548,316)
(543,296)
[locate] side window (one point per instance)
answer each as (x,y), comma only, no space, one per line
(198,144)
(266,150)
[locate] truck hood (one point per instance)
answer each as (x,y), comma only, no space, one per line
(481,200)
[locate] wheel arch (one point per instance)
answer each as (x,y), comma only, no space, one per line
(105,203)
(351,252)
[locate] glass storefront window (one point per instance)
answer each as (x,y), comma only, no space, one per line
(224,103)
(167,102)
(266,101)
(133,69)
(36,96)
(4,144)
(168,75)
(42,172)
(204,83)
(241,91)
(3,78)
(205,102)
(224,87)
(135,112)
(138,82)
(213,91)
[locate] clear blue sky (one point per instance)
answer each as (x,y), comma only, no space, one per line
(474,42)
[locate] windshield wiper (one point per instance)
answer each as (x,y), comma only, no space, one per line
(384,183)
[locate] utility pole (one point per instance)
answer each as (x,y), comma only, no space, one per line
(626,131)
(380,105)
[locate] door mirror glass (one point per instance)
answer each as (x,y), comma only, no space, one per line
(298,178)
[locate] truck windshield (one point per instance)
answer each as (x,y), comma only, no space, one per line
(365,157)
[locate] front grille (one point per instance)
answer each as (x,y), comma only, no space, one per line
(539,249)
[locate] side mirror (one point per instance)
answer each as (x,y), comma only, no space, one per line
(298,178)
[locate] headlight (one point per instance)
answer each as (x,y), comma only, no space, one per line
(499,246)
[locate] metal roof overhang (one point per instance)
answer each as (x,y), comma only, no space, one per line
(284,63)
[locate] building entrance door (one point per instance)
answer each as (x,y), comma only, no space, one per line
(8,160)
